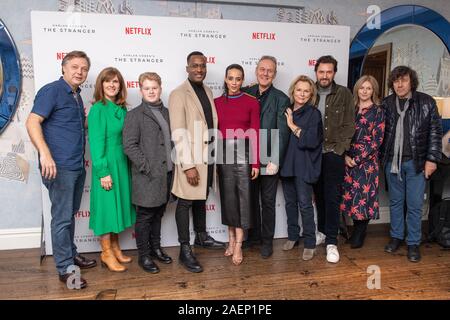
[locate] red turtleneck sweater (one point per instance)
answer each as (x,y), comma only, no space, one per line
(240,112)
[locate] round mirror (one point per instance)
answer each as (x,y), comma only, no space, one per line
(10,77)
(413,46)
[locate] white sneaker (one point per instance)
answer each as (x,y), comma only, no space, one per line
(320,238)
(332,253)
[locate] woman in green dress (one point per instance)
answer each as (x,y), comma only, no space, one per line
(111,207)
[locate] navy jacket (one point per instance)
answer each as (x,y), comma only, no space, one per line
(304,154)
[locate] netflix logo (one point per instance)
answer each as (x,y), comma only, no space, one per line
(132,84)
(83,214)
(60,55)
(263,36)
(211,60)
(138,31)
(312,62)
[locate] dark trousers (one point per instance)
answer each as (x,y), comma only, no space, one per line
(148,228)
(182,218)
(263,220)
(298,193)
(328,193)
(148,224)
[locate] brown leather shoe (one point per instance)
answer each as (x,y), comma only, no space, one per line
(74,285)
(83,262)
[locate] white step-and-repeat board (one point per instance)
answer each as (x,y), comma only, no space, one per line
(136,44)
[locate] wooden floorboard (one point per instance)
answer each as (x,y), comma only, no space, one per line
(283,276)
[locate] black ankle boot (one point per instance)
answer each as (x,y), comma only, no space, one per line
(359,233)
(146,263)
(202,239)
(158,253)
(188,260)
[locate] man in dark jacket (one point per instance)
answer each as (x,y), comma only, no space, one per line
(412,146)
(273,103)
(336,105)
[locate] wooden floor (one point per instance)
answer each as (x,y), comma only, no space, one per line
(283,276)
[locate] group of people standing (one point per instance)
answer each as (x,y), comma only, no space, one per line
(322,142)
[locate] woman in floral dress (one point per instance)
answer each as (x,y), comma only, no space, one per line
(360,187)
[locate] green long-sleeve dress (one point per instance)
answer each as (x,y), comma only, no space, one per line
(111,211)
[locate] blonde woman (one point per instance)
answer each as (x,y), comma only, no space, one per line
(360,187)
(302,163)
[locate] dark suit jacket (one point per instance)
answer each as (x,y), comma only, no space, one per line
(272,117)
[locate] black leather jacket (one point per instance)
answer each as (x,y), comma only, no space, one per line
(426,129)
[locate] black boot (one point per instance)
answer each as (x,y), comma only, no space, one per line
(359,233)
(147,264)
(413,253)
(188,260)
(202,239)
(393,245)
(158,253)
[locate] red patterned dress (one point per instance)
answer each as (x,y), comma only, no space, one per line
(360,187)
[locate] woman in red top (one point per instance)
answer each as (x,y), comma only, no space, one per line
(238,123)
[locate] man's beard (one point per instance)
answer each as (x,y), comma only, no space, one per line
(327,86)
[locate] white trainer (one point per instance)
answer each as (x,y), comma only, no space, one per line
(332,253)
(320,238)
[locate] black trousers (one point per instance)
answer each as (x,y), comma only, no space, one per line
(148,228)
(328,195)
(148,224)
(264,188)
(198,212)
(182,218)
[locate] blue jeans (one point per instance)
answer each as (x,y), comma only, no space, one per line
(298,193)
(411,188)
(65,193)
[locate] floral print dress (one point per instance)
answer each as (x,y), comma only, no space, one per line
(360,186)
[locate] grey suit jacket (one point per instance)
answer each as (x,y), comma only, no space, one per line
(143,143)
